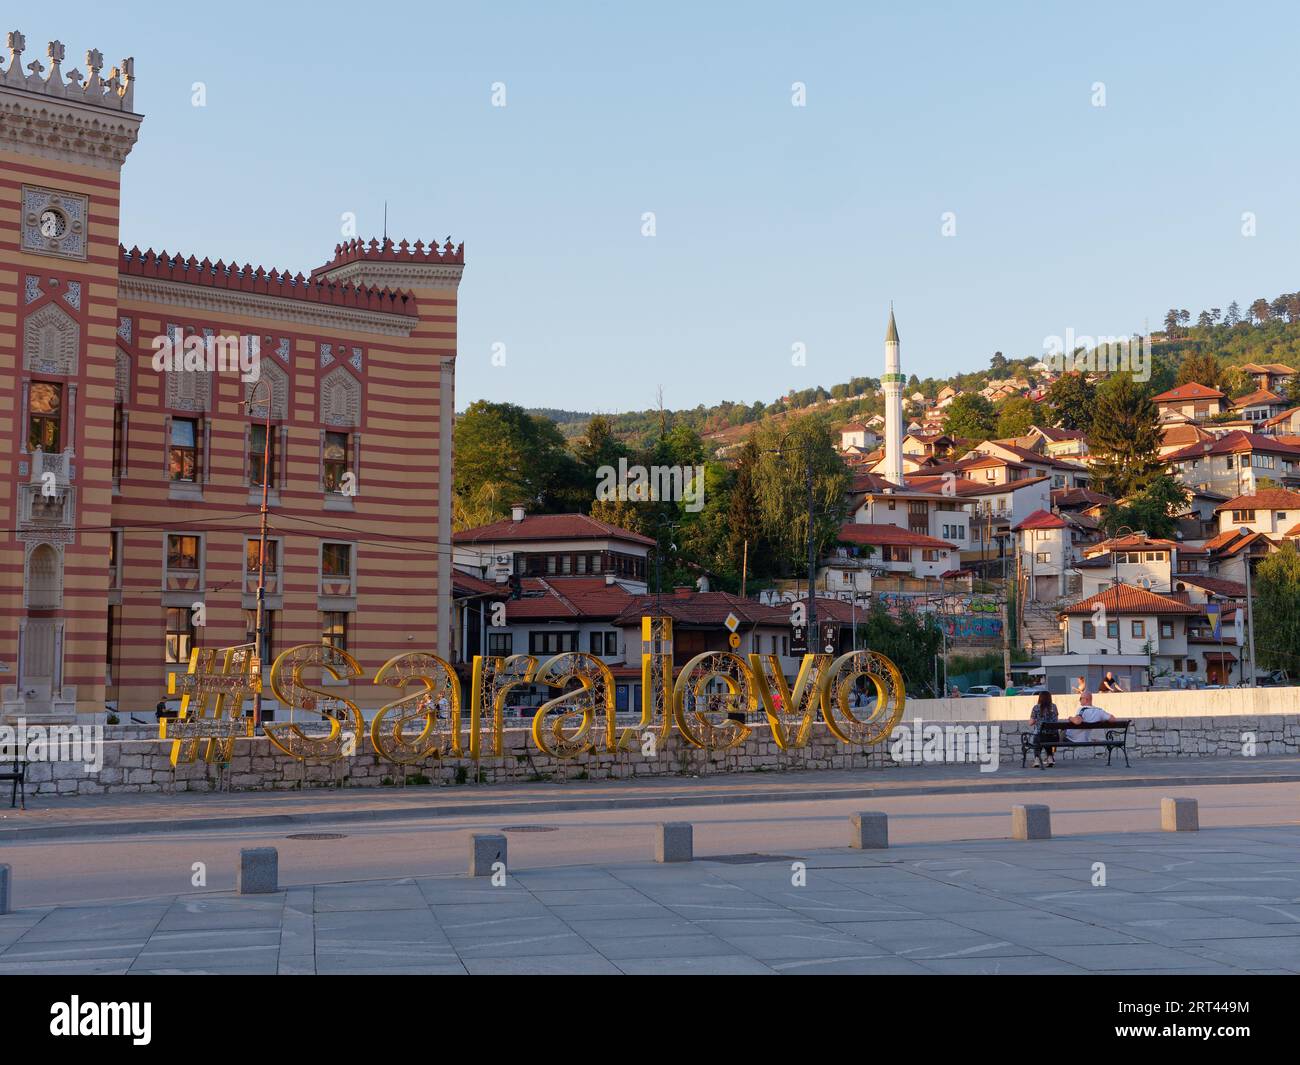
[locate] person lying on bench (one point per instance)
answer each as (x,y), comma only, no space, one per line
(1087,715)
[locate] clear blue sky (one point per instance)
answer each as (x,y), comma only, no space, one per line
(775,225)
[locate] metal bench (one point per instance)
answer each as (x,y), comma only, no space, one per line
(16,770)
(1049,734)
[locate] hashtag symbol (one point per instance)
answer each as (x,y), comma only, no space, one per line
(212,704)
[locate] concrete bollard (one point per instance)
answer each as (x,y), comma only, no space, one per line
(259,871)
(675,842)
(485,850)
(1031,821)
(1179,815)
(869,830)
(6,875)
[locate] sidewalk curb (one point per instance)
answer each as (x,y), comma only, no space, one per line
(91,830)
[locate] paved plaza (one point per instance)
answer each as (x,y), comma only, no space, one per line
(1216,901)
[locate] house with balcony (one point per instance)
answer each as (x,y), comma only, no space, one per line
(1237,464)
(1273,511)
(866,551)
(553,546)
(1259,406)
(1272,376)
(1126,620)
(1191,402)
(1135,560)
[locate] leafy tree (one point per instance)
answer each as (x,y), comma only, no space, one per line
(1202,368)
(523,455)
(970,415)
(1155,508)
(910,641)
(1276,587)
(1124,438)
(998,364)
(786,452)
(1070,401)
(1260,311)
(1015,416)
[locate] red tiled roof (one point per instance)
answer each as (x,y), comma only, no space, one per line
(1286,415)
(1041,519)
(1055,434)
(1127,599)
(877,535)
(1133,543)
(569,597)
(1232,443)
(548,527)
(871,482)
(1230,542)
(1182,434)
(697,608)
(1085,497)
(1278,368)
(1191,390)
(465,584)
(1262,395)
(1264,499)
(1216,585)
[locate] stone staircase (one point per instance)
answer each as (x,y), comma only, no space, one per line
(1040,632)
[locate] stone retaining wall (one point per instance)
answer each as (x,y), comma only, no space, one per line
(140,762)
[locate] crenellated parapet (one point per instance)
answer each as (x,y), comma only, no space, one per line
(399,264)
(163,266)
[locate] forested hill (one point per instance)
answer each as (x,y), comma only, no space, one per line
(1263,332)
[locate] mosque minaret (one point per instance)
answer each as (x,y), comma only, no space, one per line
(892,385)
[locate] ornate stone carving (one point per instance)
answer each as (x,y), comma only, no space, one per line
(31,289)
(43,577)
(279,384)
(70,242)
(186,389)
(122,378)
(125,328)
(51,341)
(73,294)
(340,399)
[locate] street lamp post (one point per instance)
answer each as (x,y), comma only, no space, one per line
(261,550)
(1250,612)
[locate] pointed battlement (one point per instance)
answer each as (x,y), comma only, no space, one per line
(357,250)
(116,92)
(259,281)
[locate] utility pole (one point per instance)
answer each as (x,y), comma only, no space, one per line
(1250,613)
(261,552)
(744,568)
(812,550)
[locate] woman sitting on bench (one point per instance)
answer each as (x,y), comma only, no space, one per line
(1044,711)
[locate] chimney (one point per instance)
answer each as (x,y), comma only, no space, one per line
(683,591)
(517,512)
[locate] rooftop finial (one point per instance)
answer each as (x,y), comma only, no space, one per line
(117,92)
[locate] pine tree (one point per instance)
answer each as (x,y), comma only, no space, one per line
(1125,438)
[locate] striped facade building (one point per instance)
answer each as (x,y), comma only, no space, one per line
(133,482)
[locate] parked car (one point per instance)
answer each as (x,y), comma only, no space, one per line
(982,691)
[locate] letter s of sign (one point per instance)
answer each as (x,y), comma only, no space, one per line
(388,730)
(294,693)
